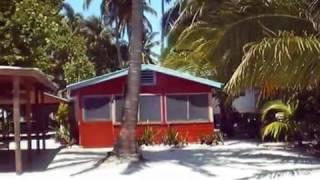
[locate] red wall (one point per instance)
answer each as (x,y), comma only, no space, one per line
(103,134)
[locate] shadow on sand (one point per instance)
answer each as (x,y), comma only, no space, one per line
(257,158)
(234,157)
(39,160)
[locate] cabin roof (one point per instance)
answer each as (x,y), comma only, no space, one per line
(144,67)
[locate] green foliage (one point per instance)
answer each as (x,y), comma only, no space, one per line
(173,137)
(34,35)
(147,137)
(62,128)
(208,36)
(279,126)
(285,60)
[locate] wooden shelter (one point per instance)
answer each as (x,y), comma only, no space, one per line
(25,86)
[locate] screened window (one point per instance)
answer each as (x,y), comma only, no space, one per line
(96,108)
(150,109)
(187,107)
(198,107)
(177,108)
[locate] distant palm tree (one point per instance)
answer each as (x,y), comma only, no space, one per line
(117,14)
(99,40)
(148,56)
(73,19)
(126,145)
(101,49)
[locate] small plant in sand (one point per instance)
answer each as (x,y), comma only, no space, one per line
(211,138)
(171,137)
(175,138)
(184,139)
(147,137)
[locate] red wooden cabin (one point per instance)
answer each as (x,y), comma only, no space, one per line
(168,98)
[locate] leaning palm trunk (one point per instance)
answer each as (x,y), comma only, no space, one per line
(162,33)
(118,46)
(126,145)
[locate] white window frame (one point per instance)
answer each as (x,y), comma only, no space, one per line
(85,120)
(210,119)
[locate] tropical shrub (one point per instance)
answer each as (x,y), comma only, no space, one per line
(62,128)
(171,137)
(282,123)
(147,137)
(184,139)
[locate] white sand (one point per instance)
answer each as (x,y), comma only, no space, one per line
(235,160)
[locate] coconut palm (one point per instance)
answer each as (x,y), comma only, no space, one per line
(74,20)
(117,14)
(99,40)
(101,49)
(282,123)
(148,56)
(220,30)
(126,145)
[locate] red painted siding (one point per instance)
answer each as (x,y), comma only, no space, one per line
(103,134)
(96,134)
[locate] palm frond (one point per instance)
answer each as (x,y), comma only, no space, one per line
(275,129)
(278,106)
(285,61)
(253,29)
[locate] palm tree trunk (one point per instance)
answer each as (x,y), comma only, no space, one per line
(162,31)
(120,61)
(126,145)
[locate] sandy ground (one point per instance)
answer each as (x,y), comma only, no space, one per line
(238,160)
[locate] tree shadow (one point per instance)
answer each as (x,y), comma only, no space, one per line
(39,160)
(256,158)
(72,158)
(206,160)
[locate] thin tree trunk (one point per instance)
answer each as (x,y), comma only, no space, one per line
(126,145)
(162,31)
(120,61)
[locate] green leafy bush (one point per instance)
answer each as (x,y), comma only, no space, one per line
(62,127)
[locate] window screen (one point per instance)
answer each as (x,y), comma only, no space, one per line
(198,107)
(119,100)
(96,108)
(187,107)
(150,109)
(177,108)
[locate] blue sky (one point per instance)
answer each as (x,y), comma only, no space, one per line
(94,9)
